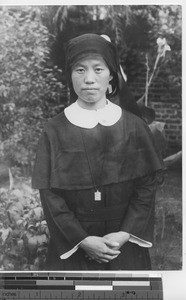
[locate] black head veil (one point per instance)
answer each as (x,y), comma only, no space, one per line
(86,44)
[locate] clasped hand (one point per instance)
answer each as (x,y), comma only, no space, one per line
(104,249)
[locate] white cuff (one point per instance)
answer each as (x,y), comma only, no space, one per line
(140,242)
(70,252)
(132,239)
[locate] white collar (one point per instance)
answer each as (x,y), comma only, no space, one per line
(106,116)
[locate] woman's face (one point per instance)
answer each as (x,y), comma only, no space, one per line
(90,80)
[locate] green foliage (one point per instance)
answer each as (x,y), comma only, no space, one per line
(23,231)
(30,90)
(140,27)
(167,251)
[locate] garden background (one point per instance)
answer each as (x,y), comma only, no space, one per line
(33,89)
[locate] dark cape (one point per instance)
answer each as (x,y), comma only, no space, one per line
(124,163)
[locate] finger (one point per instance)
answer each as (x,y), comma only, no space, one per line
(115,248)
(102,260)
(108,257)
(105,258)
(113,252)
(99,261)
(111,243)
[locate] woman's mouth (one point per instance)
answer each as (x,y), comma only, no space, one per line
(90,89)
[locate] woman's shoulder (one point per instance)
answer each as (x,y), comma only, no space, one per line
(56,121)
(132,119)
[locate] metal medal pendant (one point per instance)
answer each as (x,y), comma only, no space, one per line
(97,196)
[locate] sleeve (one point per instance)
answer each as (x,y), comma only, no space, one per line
(139,219)
(65,230)
(140,242)
(70,252)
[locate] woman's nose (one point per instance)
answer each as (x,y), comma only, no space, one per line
(89,77)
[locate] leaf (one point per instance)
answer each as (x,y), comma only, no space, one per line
(4,234)
(157,126)
(173,159)
(42,250)
(44,223)
(17,193)
(35,241)
(15,211)
(20,244)
(31,228)
(32,243)
(26,189)
(7,263)
(20,222)
(42,239)
(13,253)
(38,211)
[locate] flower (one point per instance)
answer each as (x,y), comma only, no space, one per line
(162,46)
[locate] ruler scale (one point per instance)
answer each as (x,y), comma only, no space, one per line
(68,286)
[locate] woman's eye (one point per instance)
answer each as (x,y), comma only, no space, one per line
(99,70)
(80,70)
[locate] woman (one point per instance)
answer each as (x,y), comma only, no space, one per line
(96,170)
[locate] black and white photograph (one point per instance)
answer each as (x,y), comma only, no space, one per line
(91,138)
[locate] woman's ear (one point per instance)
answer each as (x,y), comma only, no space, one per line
(110,77)
(109,90)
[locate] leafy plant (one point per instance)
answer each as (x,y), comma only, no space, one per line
(163,47)
(24,233)
(167,250)
(30,86)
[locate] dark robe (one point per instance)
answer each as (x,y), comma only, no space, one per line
(121,160)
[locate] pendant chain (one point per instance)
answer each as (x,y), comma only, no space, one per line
(97,192)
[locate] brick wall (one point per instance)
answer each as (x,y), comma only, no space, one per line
(166,101)
(171,115)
